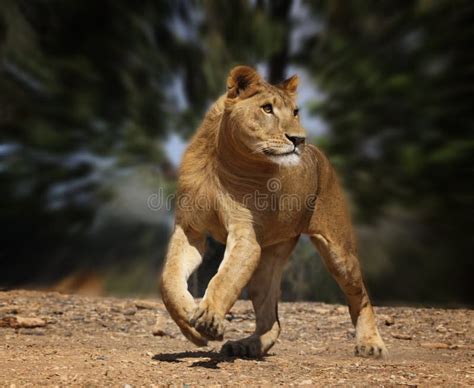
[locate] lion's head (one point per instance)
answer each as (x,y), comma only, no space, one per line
(262,119)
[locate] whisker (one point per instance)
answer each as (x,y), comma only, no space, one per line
(260,148)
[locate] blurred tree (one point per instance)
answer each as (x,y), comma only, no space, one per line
(398,81)
(83,96)
(89,91)
(225,34)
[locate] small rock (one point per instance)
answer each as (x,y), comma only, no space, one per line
(159,328)
(341,309)
(441,329)
(388,320)
(17,322)
(124,308)
(158,332)
(321,310)
(132,310)
(125,328)
(145,305)
(402,336)
(434,345)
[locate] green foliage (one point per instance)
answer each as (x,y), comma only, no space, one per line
(89,91)
(82,97)
(398,83)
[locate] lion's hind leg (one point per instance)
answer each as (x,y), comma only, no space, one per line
(331,232)
(183,257)
(264,291)
(344,267)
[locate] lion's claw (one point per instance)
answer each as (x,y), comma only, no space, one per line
(208,323)
(374,350)
(248,348)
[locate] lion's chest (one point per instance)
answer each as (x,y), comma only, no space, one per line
(201,210)
(279,208)
(283,213)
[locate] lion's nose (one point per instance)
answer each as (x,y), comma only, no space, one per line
(296,140)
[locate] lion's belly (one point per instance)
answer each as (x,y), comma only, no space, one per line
(271,232)
(274,222)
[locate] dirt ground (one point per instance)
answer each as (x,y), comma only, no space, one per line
(99,341)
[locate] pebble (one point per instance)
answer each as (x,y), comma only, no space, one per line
(159,328)
(434,345)
(402,336)
(17,322)
(389,321)
(441,329)
(130,311)
(145,305)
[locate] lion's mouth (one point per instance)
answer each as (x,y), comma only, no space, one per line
(270,152)
(290,158)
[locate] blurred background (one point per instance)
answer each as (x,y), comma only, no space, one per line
(99,98)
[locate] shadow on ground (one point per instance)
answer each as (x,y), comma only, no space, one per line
(214,358)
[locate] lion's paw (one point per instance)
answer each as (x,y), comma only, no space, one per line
(208,323)
(373,348)
(247,347)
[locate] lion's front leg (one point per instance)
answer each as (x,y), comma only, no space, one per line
(264,291)
(240,260)
(184,256)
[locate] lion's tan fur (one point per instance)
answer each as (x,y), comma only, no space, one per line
(233,159)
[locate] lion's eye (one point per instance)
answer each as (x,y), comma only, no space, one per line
(296,112)
(267,108)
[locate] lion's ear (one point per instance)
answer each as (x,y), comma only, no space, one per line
(291,84)
(241,80)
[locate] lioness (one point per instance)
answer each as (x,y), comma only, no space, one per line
(251,144)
